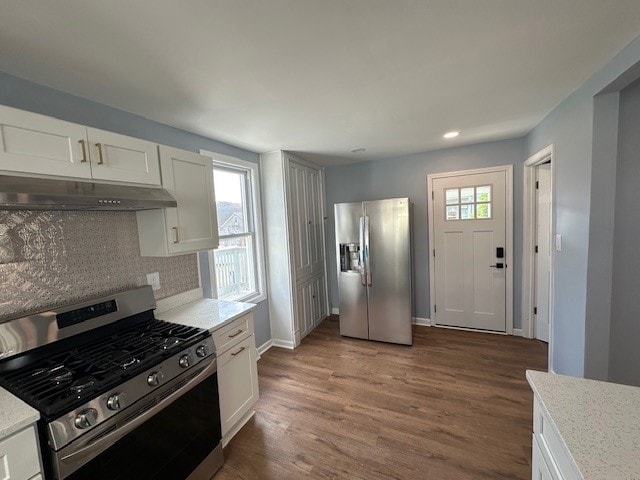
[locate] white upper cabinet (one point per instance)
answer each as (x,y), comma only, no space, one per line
(32,143)
(120,158)
(191,226)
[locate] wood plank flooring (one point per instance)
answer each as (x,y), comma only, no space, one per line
(456,405)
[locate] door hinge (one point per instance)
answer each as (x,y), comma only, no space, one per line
(434,252)
(536,250)
(535,310)
(435,308)
(537,185)
(432,196)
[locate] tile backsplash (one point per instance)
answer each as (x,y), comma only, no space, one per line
(54,258)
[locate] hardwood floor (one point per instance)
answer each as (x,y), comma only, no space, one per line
(456,405)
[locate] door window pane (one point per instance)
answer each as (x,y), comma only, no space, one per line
(483,194)
(466,212)
(453,213)
(483,210)
(466,195)
(452,196)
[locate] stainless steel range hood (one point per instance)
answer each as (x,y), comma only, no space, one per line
(22,193)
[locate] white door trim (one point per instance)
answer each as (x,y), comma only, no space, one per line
(508,237)
(528,242)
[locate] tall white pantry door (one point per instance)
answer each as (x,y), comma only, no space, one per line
(470,255)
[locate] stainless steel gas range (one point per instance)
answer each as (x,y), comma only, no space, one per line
(122,395)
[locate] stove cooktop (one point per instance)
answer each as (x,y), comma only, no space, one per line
(58,383)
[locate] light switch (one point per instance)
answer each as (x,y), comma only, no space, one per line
(558,243)
(153,279)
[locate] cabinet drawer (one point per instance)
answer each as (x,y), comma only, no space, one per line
(551,445)
(233,333)
(19,457)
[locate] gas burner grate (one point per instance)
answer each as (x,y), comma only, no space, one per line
(64,380)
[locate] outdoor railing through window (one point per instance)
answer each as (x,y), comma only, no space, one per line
(231,265)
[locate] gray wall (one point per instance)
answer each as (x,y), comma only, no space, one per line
(19,93)
(600,268)
(625,301)
(569,127)
(407,177)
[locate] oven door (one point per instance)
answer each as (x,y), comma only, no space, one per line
(176,435)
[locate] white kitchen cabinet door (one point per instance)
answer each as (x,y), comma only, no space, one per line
(316,219)
(32,143)
(539,468)
(298,211)
(19,455)
(237,382)
(120,158)
(190,227)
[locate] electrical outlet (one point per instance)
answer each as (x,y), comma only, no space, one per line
(153,279)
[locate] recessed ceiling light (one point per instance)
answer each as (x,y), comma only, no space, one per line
(452,134)
(358,150)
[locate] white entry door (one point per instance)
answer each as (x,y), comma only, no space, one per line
(470,250)
(543,250)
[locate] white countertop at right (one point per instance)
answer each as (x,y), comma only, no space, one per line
(599,423)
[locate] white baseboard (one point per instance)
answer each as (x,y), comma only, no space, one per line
(335,311)
(518,332)
(282,344)
(264,347)
(424,322)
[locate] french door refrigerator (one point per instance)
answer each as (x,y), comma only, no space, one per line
(373,247)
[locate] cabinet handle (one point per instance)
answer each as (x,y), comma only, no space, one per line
(175,231)
(236,334)
(83,144)
(101,159)
(239,351)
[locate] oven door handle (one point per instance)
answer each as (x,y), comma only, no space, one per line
(107,440)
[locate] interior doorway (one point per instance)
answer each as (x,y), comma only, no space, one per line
(538,250)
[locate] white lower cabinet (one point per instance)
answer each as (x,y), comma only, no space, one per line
(550,457)
(237,374)
(539,468)
(19,456)
(310,305)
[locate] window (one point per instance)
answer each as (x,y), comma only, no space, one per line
(468,203)
(236,268)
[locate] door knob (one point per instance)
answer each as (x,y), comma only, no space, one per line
(497,265)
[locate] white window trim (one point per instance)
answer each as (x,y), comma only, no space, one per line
(221,160)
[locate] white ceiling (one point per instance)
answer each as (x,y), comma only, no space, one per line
(321,77)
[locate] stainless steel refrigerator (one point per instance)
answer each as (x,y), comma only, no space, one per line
(373,247)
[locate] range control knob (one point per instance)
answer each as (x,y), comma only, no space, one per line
(154,379)
(201,351)
(86,418)
(115,401)
(185,361)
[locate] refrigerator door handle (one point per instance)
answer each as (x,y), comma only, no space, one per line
(363,277)
(367,264)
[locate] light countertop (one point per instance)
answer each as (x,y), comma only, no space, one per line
(206,313)
(14,414)
(598,421)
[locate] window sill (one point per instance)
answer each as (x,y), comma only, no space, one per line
(255,298)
